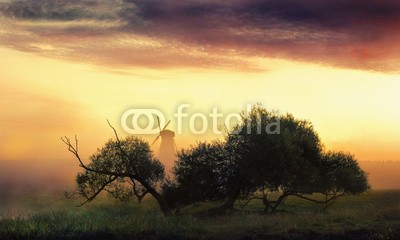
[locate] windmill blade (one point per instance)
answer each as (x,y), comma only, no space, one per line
(166,125)
(159,125)
(156,140)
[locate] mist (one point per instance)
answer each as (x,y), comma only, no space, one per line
(23,179)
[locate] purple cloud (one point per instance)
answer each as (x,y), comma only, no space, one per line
(351,34)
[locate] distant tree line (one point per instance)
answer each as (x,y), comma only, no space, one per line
(250,164)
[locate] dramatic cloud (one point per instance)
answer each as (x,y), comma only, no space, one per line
(60,10)
(204,33)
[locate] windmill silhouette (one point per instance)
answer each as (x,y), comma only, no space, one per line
(167,153)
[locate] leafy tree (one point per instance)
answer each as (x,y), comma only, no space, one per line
(336,175)
(203,172)
(270,158)
(291,162)
(116,164)
(122,188)
(266,153)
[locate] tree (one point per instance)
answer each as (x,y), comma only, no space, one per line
(271,159)
(266,153)
(336,175)
(122,188)
(116,164)
(203,172)
(291,163)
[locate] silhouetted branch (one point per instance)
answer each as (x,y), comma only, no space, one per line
(123,156)
(249,200)
(115,131)
(138,195)
(327,201)
(70,195)
(74,151)
(273,205)
(278,202)
(122,153)
(98,191)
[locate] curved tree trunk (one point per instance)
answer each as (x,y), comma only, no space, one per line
(280,201)
(267,204)
(229,204)
(160,199)
(133,176)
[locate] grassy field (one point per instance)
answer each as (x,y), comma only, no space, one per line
(375,215)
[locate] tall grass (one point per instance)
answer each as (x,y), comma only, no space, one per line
(375,215)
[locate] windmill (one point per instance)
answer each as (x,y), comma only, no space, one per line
(168,150)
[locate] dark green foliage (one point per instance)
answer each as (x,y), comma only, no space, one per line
(344,174)
(203,172)
(266,153)
(287,160)
(139,161)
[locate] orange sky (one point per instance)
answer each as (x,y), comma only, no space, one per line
(65,74)
(43,99)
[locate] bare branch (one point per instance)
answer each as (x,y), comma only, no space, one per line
(122,153)
(74,151)
(76,143)
(68,195)
(115,131)
(333,198)
(98,191)
(138,195)
(135,191)
(123,156)
(249,200)
(280,200)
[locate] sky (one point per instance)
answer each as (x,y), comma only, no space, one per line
(67,66)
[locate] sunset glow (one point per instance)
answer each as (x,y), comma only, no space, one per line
(66,70)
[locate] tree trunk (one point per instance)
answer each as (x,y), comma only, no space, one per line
(267,204)
(229,204)
(280,200)
(160,199)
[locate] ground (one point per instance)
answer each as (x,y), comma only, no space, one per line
(374,215)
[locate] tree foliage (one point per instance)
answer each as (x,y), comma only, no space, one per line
(139,160)
(266,153)
(343,174)
(114,165)
(203,172)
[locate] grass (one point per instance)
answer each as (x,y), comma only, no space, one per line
(375,215)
